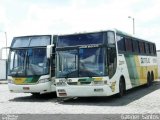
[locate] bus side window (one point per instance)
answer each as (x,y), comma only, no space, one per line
(154,49)
(151,49)
(135,46)
(142,48)
(128,43)
(147,48)
(121,43)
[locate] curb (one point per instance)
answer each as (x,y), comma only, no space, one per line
(3,82)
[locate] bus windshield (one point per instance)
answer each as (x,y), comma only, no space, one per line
(28,62)
(67,62)
(91,62)
(82,62)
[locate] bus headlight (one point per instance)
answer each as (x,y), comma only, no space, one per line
(63,80)
(60,83)
(43,80)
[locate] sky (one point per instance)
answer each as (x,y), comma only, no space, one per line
(32,17)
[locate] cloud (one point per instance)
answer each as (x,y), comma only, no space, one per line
(78,16)
(83,15)
(3,18)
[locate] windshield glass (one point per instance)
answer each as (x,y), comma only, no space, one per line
(91,62)
(84,62)
(80,39)
(36,62)
(28,62)
(17,62)
(67,63)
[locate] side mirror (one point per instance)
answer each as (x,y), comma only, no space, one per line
(49,50)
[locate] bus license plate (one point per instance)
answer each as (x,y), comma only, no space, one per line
(25,88)
(98,90)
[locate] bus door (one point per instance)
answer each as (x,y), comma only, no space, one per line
(111,54)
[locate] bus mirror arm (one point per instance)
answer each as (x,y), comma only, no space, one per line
(111,45)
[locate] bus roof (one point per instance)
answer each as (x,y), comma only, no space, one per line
(114,30)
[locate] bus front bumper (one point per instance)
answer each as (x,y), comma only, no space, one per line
(35,88)
(84,91)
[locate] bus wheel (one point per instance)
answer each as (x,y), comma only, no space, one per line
(122,88)
(149,79)
(152,77)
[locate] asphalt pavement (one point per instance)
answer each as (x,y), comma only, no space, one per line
(140,100)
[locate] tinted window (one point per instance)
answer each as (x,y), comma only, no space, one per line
(40,41)
(142,48)
(20,42)
(80,39)
(152,49)
(128,43)
(147,48)
(135,46)
(31,41)
(121,43)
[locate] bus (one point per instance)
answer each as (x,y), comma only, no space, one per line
(31,69)
(103,63)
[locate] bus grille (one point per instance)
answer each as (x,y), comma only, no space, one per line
(78,83)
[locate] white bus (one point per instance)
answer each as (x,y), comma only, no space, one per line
(30,68)
(103,63)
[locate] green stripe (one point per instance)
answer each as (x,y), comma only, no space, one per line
(33,79)
(132,69)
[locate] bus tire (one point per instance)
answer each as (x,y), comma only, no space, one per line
(152,77)
(122,87)
(149,79)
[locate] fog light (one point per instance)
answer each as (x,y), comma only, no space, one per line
(60,83)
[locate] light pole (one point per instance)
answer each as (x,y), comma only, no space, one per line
(133,20)
(5,33)
(6,43)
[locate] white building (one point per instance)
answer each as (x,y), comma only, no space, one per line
(3,66)
(3,69)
